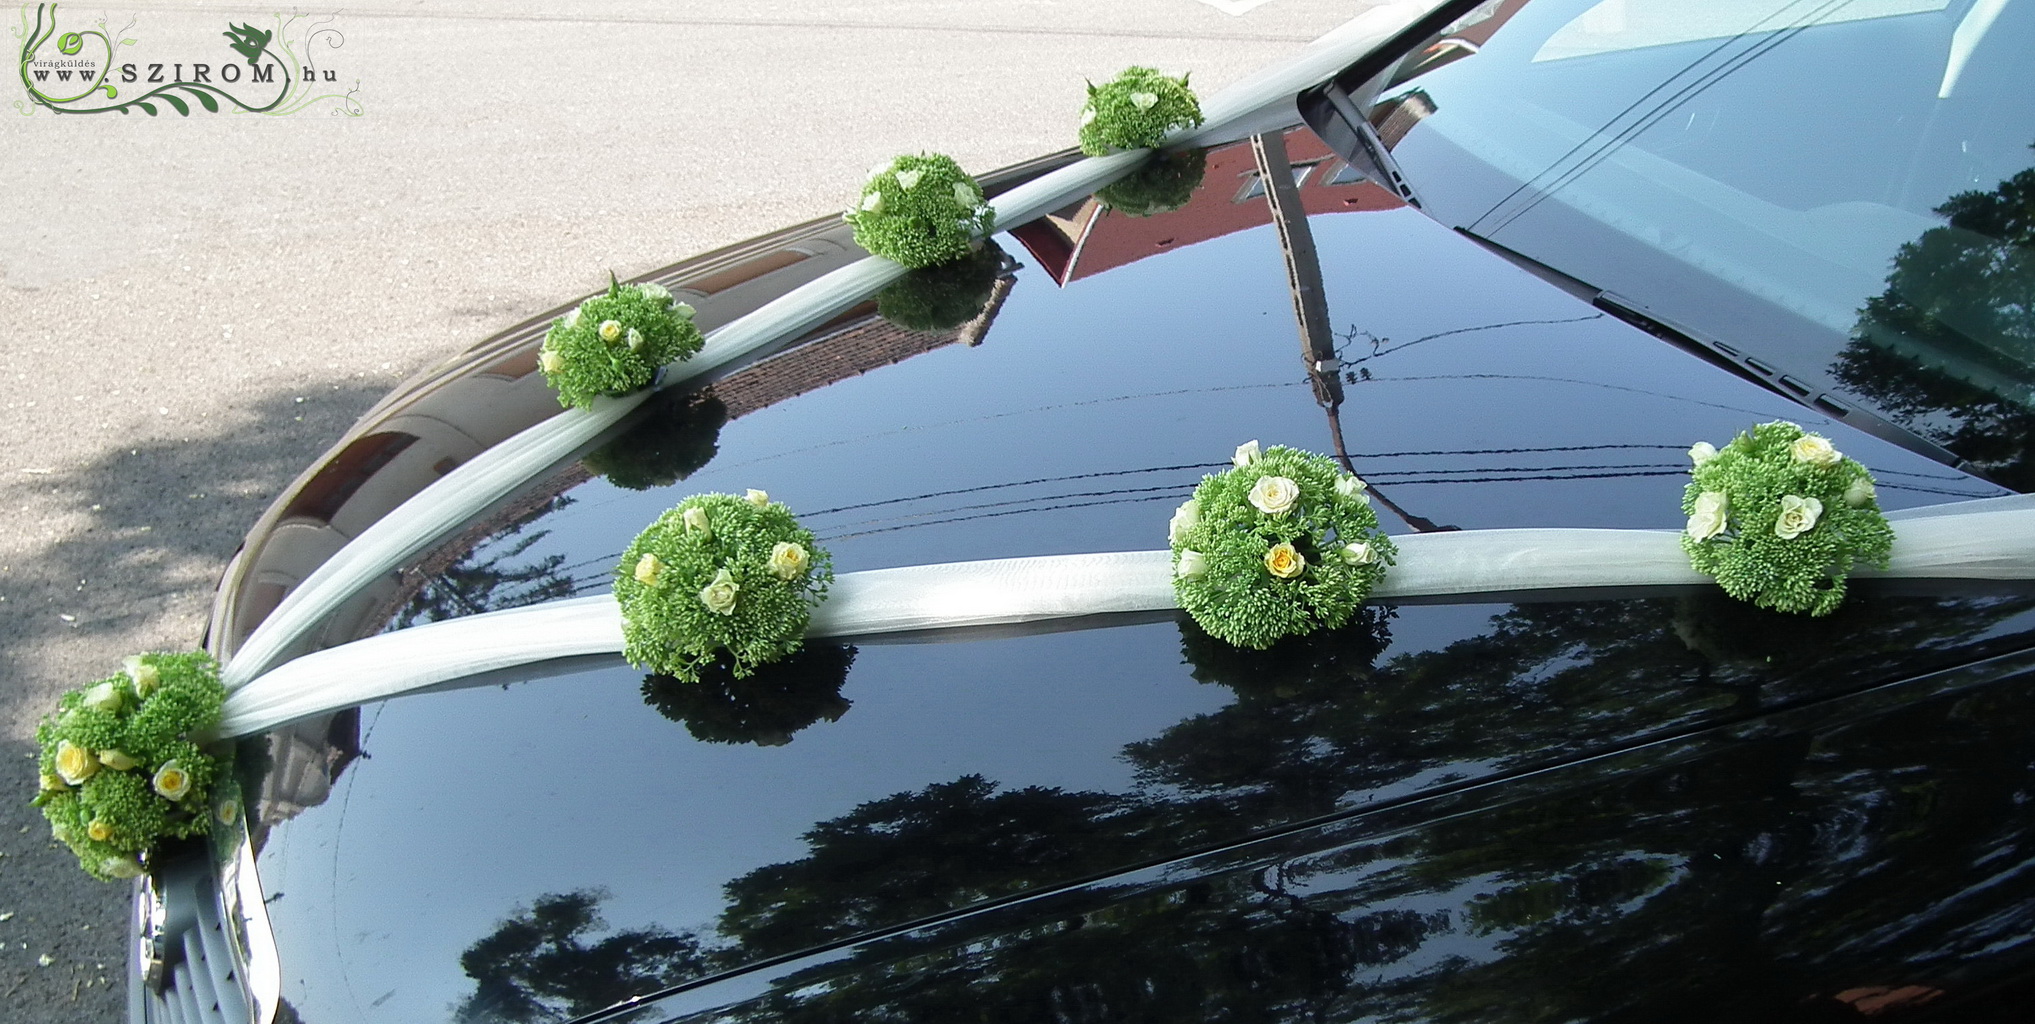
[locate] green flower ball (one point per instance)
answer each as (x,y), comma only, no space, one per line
(1283,544)
(1779,517)
(1136,111)
(615,342)
(944,297)
(119,766)
(920,211)
(719,578)
(1161,186)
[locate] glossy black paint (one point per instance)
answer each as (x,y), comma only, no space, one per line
(575,845)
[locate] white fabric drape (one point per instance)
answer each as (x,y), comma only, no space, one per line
(463,493)
(1991,540)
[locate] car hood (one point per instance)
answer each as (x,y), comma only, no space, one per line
(576,834)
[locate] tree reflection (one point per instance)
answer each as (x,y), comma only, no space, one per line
(544,964)
(488,577)
(1949,347)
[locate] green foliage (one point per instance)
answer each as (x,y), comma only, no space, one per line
(1135,111)
(1164,184)
(677,434)
(1778,518)
(765,709)
(615,342)
(1283,544)
(118,767)
(719,578)
(920,211)
(944,297)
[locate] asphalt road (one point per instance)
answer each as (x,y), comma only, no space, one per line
(195,307)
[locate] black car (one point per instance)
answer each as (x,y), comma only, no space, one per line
(1508,265)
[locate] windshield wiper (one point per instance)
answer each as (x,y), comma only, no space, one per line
(1760,371)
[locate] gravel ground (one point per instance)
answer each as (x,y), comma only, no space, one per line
(197,306)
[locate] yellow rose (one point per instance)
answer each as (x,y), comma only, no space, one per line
(695,519)
(75,763)
(1815,451)
(550,361)
(104,696)
(99,831)
(1284,562)
(1275,495)
(229,812)
(757,498)
(1798,516)
(719,596)
(788,561)
(647,569)
(611,331)
(52,782)
(116,760)
(145,676)
(172,781)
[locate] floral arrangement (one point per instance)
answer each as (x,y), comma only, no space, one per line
(616,342)
(944,297)
(1163,185)
(677,433)
(1779,517)
(765,709)
(1135,111)
(920,211)
(120,766)
(1284,543)
(720,579)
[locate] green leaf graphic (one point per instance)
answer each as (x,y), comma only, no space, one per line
(149,108)
(182,107)
(206,99)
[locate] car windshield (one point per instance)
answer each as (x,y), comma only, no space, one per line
(1842,189)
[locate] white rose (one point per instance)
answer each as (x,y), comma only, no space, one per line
(1815,451)
(1860,492)
(1359,553)
(1185,518)
(120,867)
(105,696)
(964,196)
(757,498)
(117,760)
(1275,495)
(75,764)
(695,520)
(1247,453)
(877,171)
(610,331)
(1708,519)
(572,318)
(788,561)
(909,180)
(145,676)
(719,596)
(1144,100)
(872,203)
(654,292)
(172,781)
(1351,487)
(1701,452)
(1087,116)
(636,340)
(1798,516)
(648,568)
(683,309)
(1190,564)
(53,783)
(550,362)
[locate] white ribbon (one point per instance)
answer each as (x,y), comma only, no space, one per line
(467,490)
(1989,540)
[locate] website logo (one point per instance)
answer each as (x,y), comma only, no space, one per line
(272,68)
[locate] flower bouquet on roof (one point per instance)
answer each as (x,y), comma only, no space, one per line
(615,342)
(1284,543)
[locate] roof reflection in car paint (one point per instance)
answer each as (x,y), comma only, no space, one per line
(1478,398)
